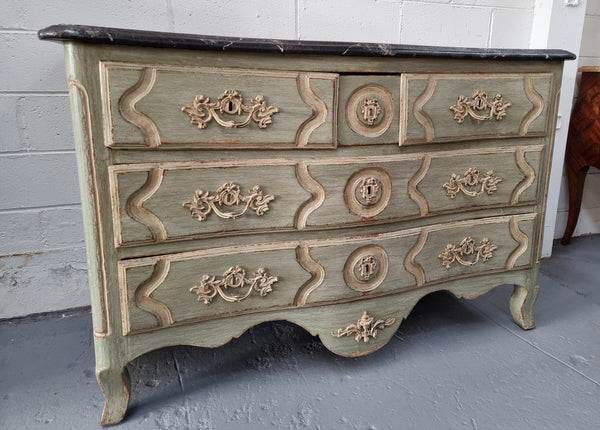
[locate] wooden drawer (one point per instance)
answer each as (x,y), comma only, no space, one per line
(171,201)
(157,202)
(399,261)
(457,181)
(162,291)
(369,109)
(169,106)
(455,107)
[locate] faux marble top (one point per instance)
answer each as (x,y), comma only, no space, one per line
(118,36)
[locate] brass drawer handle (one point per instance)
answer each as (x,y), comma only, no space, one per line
(228,195)
(234,278)
(471,183)
(479,103)
(231,102)
(365,329)
(467,248)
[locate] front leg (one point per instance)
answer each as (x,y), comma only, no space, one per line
(521,305)
(115,385)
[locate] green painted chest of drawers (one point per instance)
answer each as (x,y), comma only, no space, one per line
(228,182)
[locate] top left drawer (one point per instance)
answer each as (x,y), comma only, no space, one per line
(180,107)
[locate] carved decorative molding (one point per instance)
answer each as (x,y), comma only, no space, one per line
(418,109)
(143,294)
(471,179)
(527,181)
(319,108)
(479,103)
(413,192)
(521,238)
(538,105)
(467,248)
(231,102)
(234,278)
(135,205)
(370,110)
(316,190)
(128,108)
(365,329)
(411,265)
(227,196)
(101,322)
(366,268)
(368,192)
(317,274)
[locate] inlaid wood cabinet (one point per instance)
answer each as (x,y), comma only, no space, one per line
(228,182)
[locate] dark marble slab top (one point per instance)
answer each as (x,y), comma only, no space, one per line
(118,36)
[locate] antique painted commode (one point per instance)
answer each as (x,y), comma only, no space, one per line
(227,182)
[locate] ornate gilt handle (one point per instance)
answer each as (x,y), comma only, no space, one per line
(230,102)
(467,253)
(234,279)
(471,183)
(227,196)
(479,107)
(365,328)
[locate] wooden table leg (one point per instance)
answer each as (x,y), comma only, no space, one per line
(576,177)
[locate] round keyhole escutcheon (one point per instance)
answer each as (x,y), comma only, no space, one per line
(366,268)
(368,192)
(370,110)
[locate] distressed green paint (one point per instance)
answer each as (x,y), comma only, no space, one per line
(332,234)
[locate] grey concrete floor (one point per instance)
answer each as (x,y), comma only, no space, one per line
(453,364)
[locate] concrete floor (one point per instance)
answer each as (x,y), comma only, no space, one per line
(454,364)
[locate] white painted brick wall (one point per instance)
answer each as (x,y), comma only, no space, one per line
(445,24)
(42,259)
(349,20)
(253,18)
(589,218)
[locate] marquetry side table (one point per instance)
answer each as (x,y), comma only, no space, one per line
(583,143)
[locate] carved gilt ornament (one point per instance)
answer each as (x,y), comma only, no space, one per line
(479,107)
(467,253)
(228,196)
(202,111)
(369,189)
(471,184)
(370,110)
(365,329)
(368,267)
(233,279)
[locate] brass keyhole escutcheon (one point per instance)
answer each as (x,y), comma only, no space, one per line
(370,110)
(368,192)
(366,268)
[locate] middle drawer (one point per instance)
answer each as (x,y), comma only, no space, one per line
(160,202)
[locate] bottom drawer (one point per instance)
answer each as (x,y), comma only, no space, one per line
(174,289)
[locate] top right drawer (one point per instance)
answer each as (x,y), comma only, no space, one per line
(454,107)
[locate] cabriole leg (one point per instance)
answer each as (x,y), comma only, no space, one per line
(115,385)
(576,175)
(521,305)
